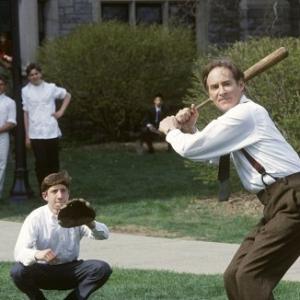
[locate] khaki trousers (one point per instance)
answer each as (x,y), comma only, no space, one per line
(271,248)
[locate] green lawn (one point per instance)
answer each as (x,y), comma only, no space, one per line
(150,194)
(139,285)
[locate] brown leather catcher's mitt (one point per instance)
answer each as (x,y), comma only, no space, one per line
(76,213)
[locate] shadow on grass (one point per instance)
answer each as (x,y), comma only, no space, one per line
(107,176)
(139,194)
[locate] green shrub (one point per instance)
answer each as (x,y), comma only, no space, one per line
(113,71)
(7,74)
(277,89)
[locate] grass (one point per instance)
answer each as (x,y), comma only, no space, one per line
(149,194)
(139,284)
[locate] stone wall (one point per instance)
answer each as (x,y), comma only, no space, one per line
(269,18)
(224,22)
(234,20)
(228,21)
(73,13)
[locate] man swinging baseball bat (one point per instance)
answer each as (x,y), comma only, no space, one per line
(266,164)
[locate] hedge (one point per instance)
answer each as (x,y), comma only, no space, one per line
(113,71)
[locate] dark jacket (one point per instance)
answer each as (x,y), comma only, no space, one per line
(151,118)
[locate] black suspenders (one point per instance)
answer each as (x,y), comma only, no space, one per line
(256,165)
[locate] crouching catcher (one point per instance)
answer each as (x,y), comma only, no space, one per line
(46,253)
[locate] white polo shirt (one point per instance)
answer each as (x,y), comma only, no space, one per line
(39,102)
(246,125)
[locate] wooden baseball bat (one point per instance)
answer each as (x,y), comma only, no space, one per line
(262,65)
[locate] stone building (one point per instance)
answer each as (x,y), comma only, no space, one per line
(213,21)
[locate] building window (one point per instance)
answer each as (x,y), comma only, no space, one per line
(115,11)
(183,13)
(148,13)
(5,28)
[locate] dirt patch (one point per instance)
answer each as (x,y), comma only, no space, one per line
(238,204)
(129,146)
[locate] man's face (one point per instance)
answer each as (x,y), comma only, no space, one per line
(35,77)
(223,89)
(2,86)
(56,196)
(157,101)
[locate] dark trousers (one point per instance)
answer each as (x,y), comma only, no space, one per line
(46,153)
(84,277)
(271,248)
(148,137)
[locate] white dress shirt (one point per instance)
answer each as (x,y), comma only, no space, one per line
(7,110)
(39,102)
(41,231)
(246,125)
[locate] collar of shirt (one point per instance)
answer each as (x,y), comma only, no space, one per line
(50,214)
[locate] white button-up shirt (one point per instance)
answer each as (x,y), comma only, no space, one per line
(39,102)
(246,125)
(7,110)
(41,231)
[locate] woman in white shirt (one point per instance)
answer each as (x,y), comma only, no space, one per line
(40,119)
(267,165)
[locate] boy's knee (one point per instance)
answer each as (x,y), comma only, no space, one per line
(17,271)
(100,269)
(105,268)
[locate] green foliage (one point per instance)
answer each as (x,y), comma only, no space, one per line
(7,74)
(113,71)
(277,89)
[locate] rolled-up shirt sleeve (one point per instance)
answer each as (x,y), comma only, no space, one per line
(58,92)
(24,101)
(12,113)
(25,248)
(230,132)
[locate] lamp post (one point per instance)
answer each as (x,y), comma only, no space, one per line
(20,190)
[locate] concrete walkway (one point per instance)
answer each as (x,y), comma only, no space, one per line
(140,252)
